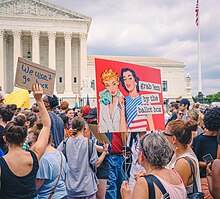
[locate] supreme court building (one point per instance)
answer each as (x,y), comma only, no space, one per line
(57,38)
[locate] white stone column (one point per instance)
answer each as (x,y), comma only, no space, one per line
(17,48)
(83,58)
(68,64)
(52,53)
(35,46)
(2,61)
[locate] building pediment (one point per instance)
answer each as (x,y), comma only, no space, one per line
(37,8)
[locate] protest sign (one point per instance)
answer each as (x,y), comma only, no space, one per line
(29,73)
(129,97)
(101,137)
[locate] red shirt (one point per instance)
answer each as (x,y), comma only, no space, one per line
(116,143)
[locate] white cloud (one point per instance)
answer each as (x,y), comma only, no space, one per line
(156,28)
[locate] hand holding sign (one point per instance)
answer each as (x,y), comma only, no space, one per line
(37,92)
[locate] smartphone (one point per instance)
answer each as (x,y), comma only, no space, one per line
(208,158)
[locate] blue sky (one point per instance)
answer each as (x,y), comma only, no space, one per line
(156,28)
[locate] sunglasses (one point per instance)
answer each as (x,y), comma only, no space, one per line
(167,134)
(180,113)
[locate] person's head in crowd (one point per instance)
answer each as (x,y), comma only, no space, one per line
(85,110)
(65,119)
(180,133)
(70,114)
(2,98)
(50,102)
(184,104)
(212,119)
(6,115)
(155,151)
(30,117)
(13,108)
(78,112)
(180,114)
(173,107)
(63,106)
(196,106)
(34,134)
(78,125)
(91,118)
(193,115)
(16,131)
(35,108)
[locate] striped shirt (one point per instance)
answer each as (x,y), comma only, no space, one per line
(136,123)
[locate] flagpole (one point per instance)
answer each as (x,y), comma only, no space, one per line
(200,95)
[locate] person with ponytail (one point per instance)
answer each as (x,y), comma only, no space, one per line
(81,180)
(19,167)
(179,134)
(5,116)
(53,167)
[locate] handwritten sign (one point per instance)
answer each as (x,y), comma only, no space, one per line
(29,73)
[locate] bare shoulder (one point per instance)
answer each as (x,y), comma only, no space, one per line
(140,189)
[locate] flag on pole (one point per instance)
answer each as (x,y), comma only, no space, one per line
(87,100)
(76,102)
(197,13)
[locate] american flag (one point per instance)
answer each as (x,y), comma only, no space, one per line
(197,13)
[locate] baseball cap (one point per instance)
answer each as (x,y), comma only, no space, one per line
(92,114)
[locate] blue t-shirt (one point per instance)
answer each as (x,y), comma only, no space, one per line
(49,170)
(57,128)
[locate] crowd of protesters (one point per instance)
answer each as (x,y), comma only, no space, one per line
(49,151)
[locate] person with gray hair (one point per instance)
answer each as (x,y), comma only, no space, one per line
(154,154)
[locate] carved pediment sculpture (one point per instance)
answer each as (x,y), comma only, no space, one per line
(38,8)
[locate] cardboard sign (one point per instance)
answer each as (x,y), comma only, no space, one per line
(129,97)
(99,136)
(29,73)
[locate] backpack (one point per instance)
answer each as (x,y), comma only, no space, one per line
(90,151)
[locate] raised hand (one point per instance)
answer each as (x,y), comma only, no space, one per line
(37,91)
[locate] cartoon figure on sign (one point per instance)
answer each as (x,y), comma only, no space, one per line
(112,109)
(135,122)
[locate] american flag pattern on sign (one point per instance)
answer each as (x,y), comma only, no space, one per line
(197,13)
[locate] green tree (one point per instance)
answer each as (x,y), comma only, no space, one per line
(212,98)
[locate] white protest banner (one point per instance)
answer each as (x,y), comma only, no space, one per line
(149,86)
(150,98)
(29,73)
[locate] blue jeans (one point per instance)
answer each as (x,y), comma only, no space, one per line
(116,176)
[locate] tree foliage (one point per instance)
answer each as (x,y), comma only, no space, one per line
(212,98)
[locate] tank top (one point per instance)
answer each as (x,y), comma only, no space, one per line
(175,191)
(13,186)
(193,157)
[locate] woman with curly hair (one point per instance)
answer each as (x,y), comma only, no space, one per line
(112,110)
(207,144)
